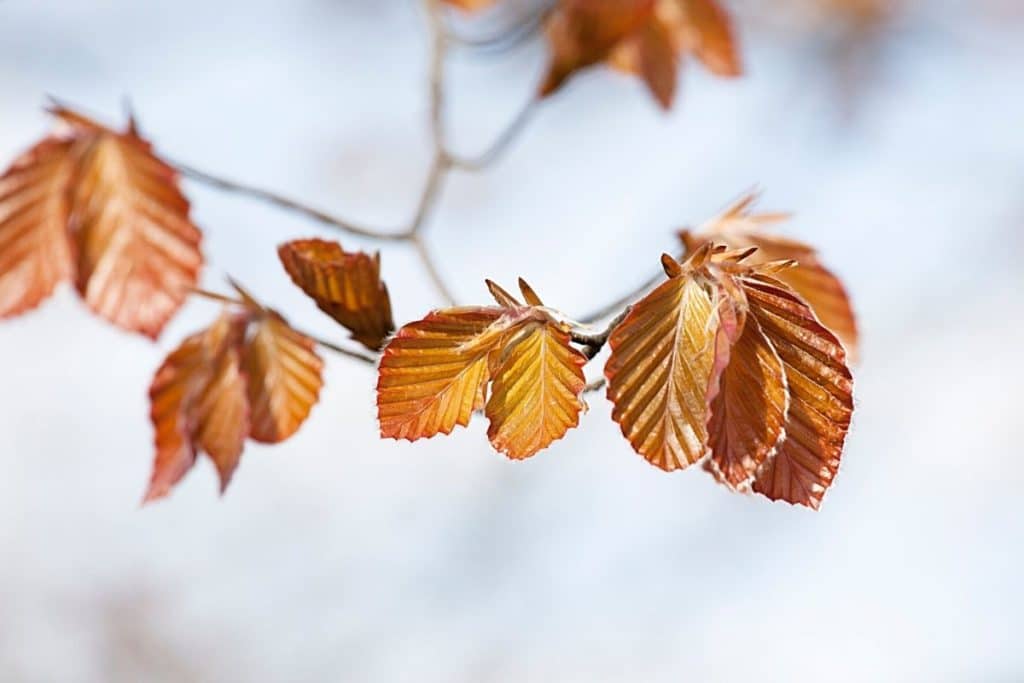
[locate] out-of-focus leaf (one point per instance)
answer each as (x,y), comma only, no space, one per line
(248,374)
(345,286)
(644,37)
(197,402)
(535,396)
(820,391)
(284,378)
(662,356)
(35,253)
(738,227)
(97,206)
(470,5)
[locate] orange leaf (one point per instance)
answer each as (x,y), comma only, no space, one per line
(661,366)
(105,198)
(35,253)
(748,413)
(738,227)
(197,403)
(645,37)
(536,393)
(284,378)
(820,391)
(433,372)
(345,286)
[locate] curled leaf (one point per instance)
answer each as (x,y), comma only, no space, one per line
(345,286)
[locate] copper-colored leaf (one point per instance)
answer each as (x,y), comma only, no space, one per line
(660,368)
(707,32)
(35,253)
(820,390)
(345,286)
(748,413)
(284,379)
(137,251)
(582,33)
(197,401)
(535,397)
(433,372)
(657,61)
(738,227)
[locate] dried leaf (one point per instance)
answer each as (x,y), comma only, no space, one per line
(35,253)
(433,372)
(104,198)
(748,412)
(738,227)
(345,286)
(194,406)
(660,368)
(536,393)
(820,391)
(284,378)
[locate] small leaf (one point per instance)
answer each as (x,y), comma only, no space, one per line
(196,382)
(820,391)
(284,378)
(536,393)
(345,286)
(660,368)
(433,372)
(707,32)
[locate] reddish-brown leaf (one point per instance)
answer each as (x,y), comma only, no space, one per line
(748,411)
(820,390)
(35,253)
(345,286)
(197,401)
(706,31)
(284,378)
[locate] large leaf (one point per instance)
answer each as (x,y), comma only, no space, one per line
(748,412)
(137,251)
(536,394)
(284,378)
(35,253)
(345,286)
(197,402)
(433,372)
(820,391)
(660,368)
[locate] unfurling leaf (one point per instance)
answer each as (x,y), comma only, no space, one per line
(96,206)
(645,37)
(662,355)
(737,227)
(247,375)
(345,286)
(820,391)
(435,372)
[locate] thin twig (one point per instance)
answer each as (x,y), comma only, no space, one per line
(501,143)
(596,385)
(509,37)
(431,192)
(214,296)
(357,355)
(432,270)
(285,203)
(594,342)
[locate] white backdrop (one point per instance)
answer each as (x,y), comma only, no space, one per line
(337,556)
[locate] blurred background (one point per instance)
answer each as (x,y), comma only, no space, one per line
(892,129)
